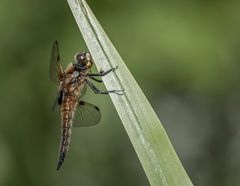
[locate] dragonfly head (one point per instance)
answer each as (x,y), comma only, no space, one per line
(84,59)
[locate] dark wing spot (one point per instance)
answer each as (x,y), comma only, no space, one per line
(58,58)
(60,98)
(81,103)
(96,108)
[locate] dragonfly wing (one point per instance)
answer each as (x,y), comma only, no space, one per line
(86,115)
(57,102)
(56,71)
(83,90)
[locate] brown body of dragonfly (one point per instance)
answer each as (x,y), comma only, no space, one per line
(70,88)
(73,82)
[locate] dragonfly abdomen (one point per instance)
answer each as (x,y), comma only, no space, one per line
(67,112)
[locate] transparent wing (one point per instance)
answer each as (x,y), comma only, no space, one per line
(55,65)
(83,90)
(56,104)
(86,115)
(59,97)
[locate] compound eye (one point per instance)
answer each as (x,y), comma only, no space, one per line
(84,59)
(81,57)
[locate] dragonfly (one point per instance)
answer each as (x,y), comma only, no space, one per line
(73,82)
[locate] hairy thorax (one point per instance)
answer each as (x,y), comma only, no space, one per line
(73,82)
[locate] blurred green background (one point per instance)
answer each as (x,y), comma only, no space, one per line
(185,57)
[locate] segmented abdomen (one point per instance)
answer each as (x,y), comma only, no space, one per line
(67,113)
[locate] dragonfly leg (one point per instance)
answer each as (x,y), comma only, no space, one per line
(103,73)
(97,91)
(95,79)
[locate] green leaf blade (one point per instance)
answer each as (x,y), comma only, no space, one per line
(143,127)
